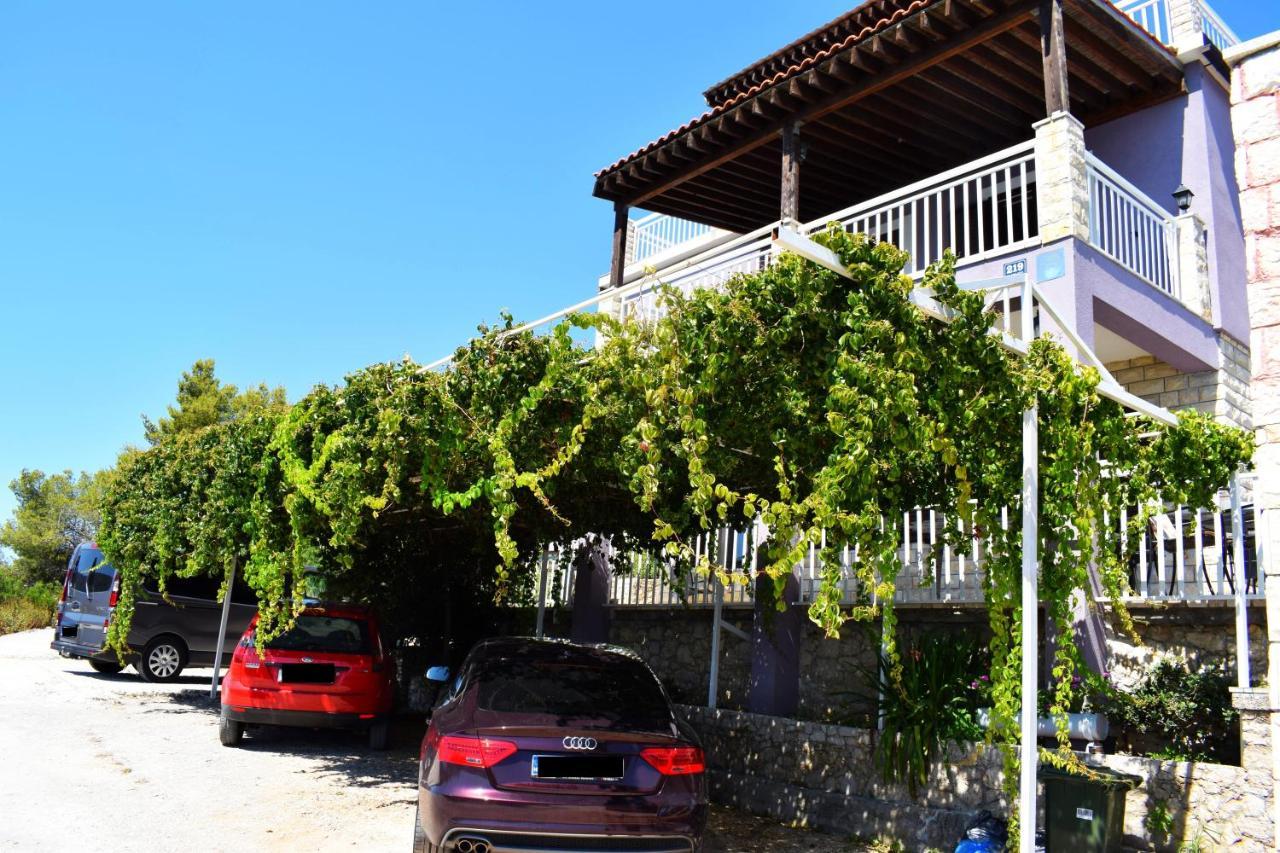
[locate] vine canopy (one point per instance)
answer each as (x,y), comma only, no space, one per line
(794,398)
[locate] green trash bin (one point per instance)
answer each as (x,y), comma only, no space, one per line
(1085,814)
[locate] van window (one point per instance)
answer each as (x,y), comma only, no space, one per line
(100,581)
(204,588)
(89,558)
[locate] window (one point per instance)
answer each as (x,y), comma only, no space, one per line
(314,633)
(202,588)
(100,581)
(622,688)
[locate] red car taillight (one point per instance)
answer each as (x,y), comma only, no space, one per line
(675,760)
(115,592)
(66,582)
(473,751)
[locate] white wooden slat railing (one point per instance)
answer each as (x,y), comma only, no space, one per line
(983,208)
(1185,556)
(978,210)
(1154,16)
(656,233)
(1130,228)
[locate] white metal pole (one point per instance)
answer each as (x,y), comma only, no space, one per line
(1030,598)
(542,591)
(222,631)
(713,683)
(1244,678)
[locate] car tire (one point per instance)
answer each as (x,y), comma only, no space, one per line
(106,667)
(420,842)
(379,734)
(229,731)
(162,660)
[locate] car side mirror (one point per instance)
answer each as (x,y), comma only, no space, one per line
(438,674)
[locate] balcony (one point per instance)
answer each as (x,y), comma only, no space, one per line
(1161,18)
(1186,556)
(982,211)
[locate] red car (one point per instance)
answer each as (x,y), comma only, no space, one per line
(331,669)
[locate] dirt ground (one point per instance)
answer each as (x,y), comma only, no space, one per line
(112,763)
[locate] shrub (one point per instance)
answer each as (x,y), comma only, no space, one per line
(932,703)
(23,606)
(1180,714)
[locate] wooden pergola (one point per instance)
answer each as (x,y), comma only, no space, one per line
(885,95)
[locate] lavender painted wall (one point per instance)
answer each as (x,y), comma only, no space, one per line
(1188,140)
(1209,170)
(1145,147)
(1131,307)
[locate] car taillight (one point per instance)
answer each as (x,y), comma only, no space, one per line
(473,751)
(66,582)
(675,760)
(115,592)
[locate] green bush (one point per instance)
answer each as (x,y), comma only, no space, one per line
(933,703)
(25,606)
(1179,714)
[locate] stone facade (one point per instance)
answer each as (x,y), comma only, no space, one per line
(1255,119)
(1199,637)
(824,776)
(1223,392)
(1062,181)
(1194,284)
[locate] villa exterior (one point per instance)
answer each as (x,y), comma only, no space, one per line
(1084,143)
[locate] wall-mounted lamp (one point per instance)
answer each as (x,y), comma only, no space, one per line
(1183,195)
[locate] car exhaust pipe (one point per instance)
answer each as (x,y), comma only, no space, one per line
(472,845)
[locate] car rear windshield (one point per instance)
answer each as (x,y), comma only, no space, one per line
(325,634)
(622,689)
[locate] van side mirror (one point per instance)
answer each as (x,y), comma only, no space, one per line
(438,674)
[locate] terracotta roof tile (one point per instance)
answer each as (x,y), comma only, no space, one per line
(803,65)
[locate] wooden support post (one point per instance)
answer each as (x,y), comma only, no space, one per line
(621,216)
(791,172)
(1053,53)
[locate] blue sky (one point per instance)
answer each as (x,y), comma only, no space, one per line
(299,189)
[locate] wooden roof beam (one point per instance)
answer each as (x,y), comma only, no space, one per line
(1012,16)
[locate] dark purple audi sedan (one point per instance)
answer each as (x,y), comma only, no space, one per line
(547,745)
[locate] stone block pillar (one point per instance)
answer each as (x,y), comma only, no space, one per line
(1186,27)
(1255,119)
(591,614)
(774,688)
(1196,289)
(1062,178)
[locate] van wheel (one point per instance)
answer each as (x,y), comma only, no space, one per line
(420,842)
(162,659)
(106,667)
(229,731)
(379,734)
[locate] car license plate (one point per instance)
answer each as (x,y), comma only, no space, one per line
(305,673)
(582,768)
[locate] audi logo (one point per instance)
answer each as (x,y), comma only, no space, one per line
(580,743)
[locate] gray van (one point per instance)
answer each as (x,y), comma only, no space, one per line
(166,635)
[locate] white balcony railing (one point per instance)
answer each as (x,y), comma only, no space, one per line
(1155,17)
(1186,555)
(656,233)
(979,210)
(1131,229)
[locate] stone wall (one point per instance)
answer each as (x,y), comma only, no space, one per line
(1199,637)
(1222,392)
(1255,120)
(824,776)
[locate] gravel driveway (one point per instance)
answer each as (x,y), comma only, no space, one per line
(112,763)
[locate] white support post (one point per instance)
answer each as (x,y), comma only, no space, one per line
(222,632)
(542,592)
(1243,676)
(713,683)
(1030,599)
